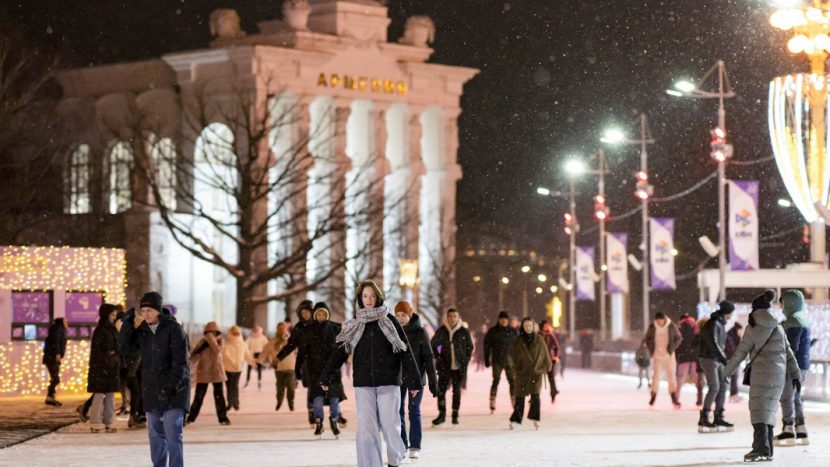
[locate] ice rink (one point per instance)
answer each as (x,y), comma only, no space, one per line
(598,420)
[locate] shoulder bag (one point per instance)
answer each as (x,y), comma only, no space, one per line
(748,369)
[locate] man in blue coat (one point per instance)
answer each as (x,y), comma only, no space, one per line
(165,376)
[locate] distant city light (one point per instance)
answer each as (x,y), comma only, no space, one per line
(613,136)
(543,191)
(685,86)
(542,278)
(785,203)
(505,280)
(525,269)
(539,290)
(574,167)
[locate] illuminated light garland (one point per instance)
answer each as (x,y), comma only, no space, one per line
(24,374)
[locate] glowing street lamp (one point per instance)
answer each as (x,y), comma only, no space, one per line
(574,167)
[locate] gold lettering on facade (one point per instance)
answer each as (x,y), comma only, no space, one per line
(363,84)
(321,81)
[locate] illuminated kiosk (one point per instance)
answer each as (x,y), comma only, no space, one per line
(330,64)
(39,284)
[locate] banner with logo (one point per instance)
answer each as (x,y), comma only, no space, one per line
(585,288)
(660,251)
(743,225)
(616,248)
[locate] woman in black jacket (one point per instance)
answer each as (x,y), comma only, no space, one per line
(419,342)
(380,353)
(104,369)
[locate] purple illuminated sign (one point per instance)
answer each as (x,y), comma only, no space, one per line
(82,307)
(31,307)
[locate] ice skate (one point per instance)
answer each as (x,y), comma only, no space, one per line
(721,424)
(81,415)
(318,428)
(414,454)
(335,430)
(704,425)
(786,437)
(277,408)
(801,435)
(441,418)
(675,400)
(753,456)
(537,424)
(492,404)
(136,423)
(311,421)
(110,429)
(514,425)
(52,401)
(653,398)
(455,418)
(342,421)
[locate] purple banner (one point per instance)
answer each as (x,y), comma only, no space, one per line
(662,253)
(82,307)
(743,225)
(585,284)
(616,245)
(31,307)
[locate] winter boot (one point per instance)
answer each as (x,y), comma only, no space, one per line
(318,428)
(801,434)
(455,417)
(721,424)
(342,421)
(311,420)
(334,428)
(50,400)
(770,437)
(441,418)
(760,444)
(653,398)
(81,415)
(279,404)
(537,424)
(675,400)
(492,404)
(704,425)
(787,437)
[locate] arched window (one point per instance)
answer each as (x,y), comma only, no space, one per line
(163,152)
(76,181)
(214,173)
(121,163)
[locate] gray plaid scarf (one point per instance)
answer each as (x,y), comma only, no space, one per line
(353,329)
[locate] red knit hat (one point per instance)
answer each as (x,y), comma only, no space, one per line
(404,307)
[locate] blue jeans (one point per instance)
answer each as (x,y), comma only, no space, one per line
(166,441)
(334,407)
(414,408)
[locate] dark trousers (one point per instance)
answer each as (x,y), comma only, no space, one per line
(54,377)
(86,406)
(233,388)
(414,409)
(733,384)
(534,413)
(218,399)
(586,359)
(762,439)
(445,379)
(497,371)
(133,383)
(258,370)
(285,387)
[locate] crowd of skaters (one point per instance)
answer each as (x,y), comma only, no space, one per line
(145,355)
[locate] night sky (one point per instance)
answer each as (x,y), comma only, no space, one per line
(554,75)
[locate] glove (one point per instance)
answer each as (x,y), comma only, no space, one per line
(433,389)
(797,385)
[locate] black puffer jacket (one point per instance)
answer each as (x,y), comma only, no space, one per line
(55,342)
(165,375)
(104,364)
(462,342)
(313,356)
(497,344)
(298,337)
(421,349)
(374,362)
(687,351)
(713,338)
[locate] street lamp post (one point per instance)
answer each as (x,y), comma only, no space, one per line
(687,89)
(601,215)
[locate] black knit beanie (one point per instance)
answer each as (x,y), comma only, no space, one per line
(152,300)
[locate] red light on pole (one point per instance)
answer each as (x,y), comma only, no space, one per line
(600,211)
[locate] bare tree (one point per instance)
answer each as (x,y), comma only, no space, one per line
(437,295)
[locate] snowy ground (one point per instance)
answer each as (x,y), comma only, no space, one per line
(598,420)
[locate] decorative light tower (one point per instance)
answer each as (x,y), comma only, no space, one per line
(797,118)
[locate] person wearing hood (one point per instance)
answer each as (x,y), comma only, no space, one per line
(797,327)
(453,347)
(54,349)
(256,342)
(312,357)
(687,356)
(733,338)
(299,334)
(531,363)
(554,349)
(210,370)
(712,351)
(419,342)
(381,355)
(235,355)
(663,338)
(283,369)
(104,368)
(771,362)
(165,375)
(497,344)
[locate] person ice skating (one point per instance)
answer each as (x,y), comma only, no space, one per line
(256,342)
(771,362)
(552,344)
(733,338)
(104,368)
(478,349)
(298,337)
(210,371)
(381,355)
(662,338)
(283,369)
(712,351)
(312,357)
(422,350)
(643,359)
(687,364)
(452,347)
(797,327)
(586,346)
(165,376)
(54,348)
(235,354)
(531,364)
(497,344)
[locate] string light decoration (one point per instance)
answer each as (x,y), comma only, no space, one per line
(53,268)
